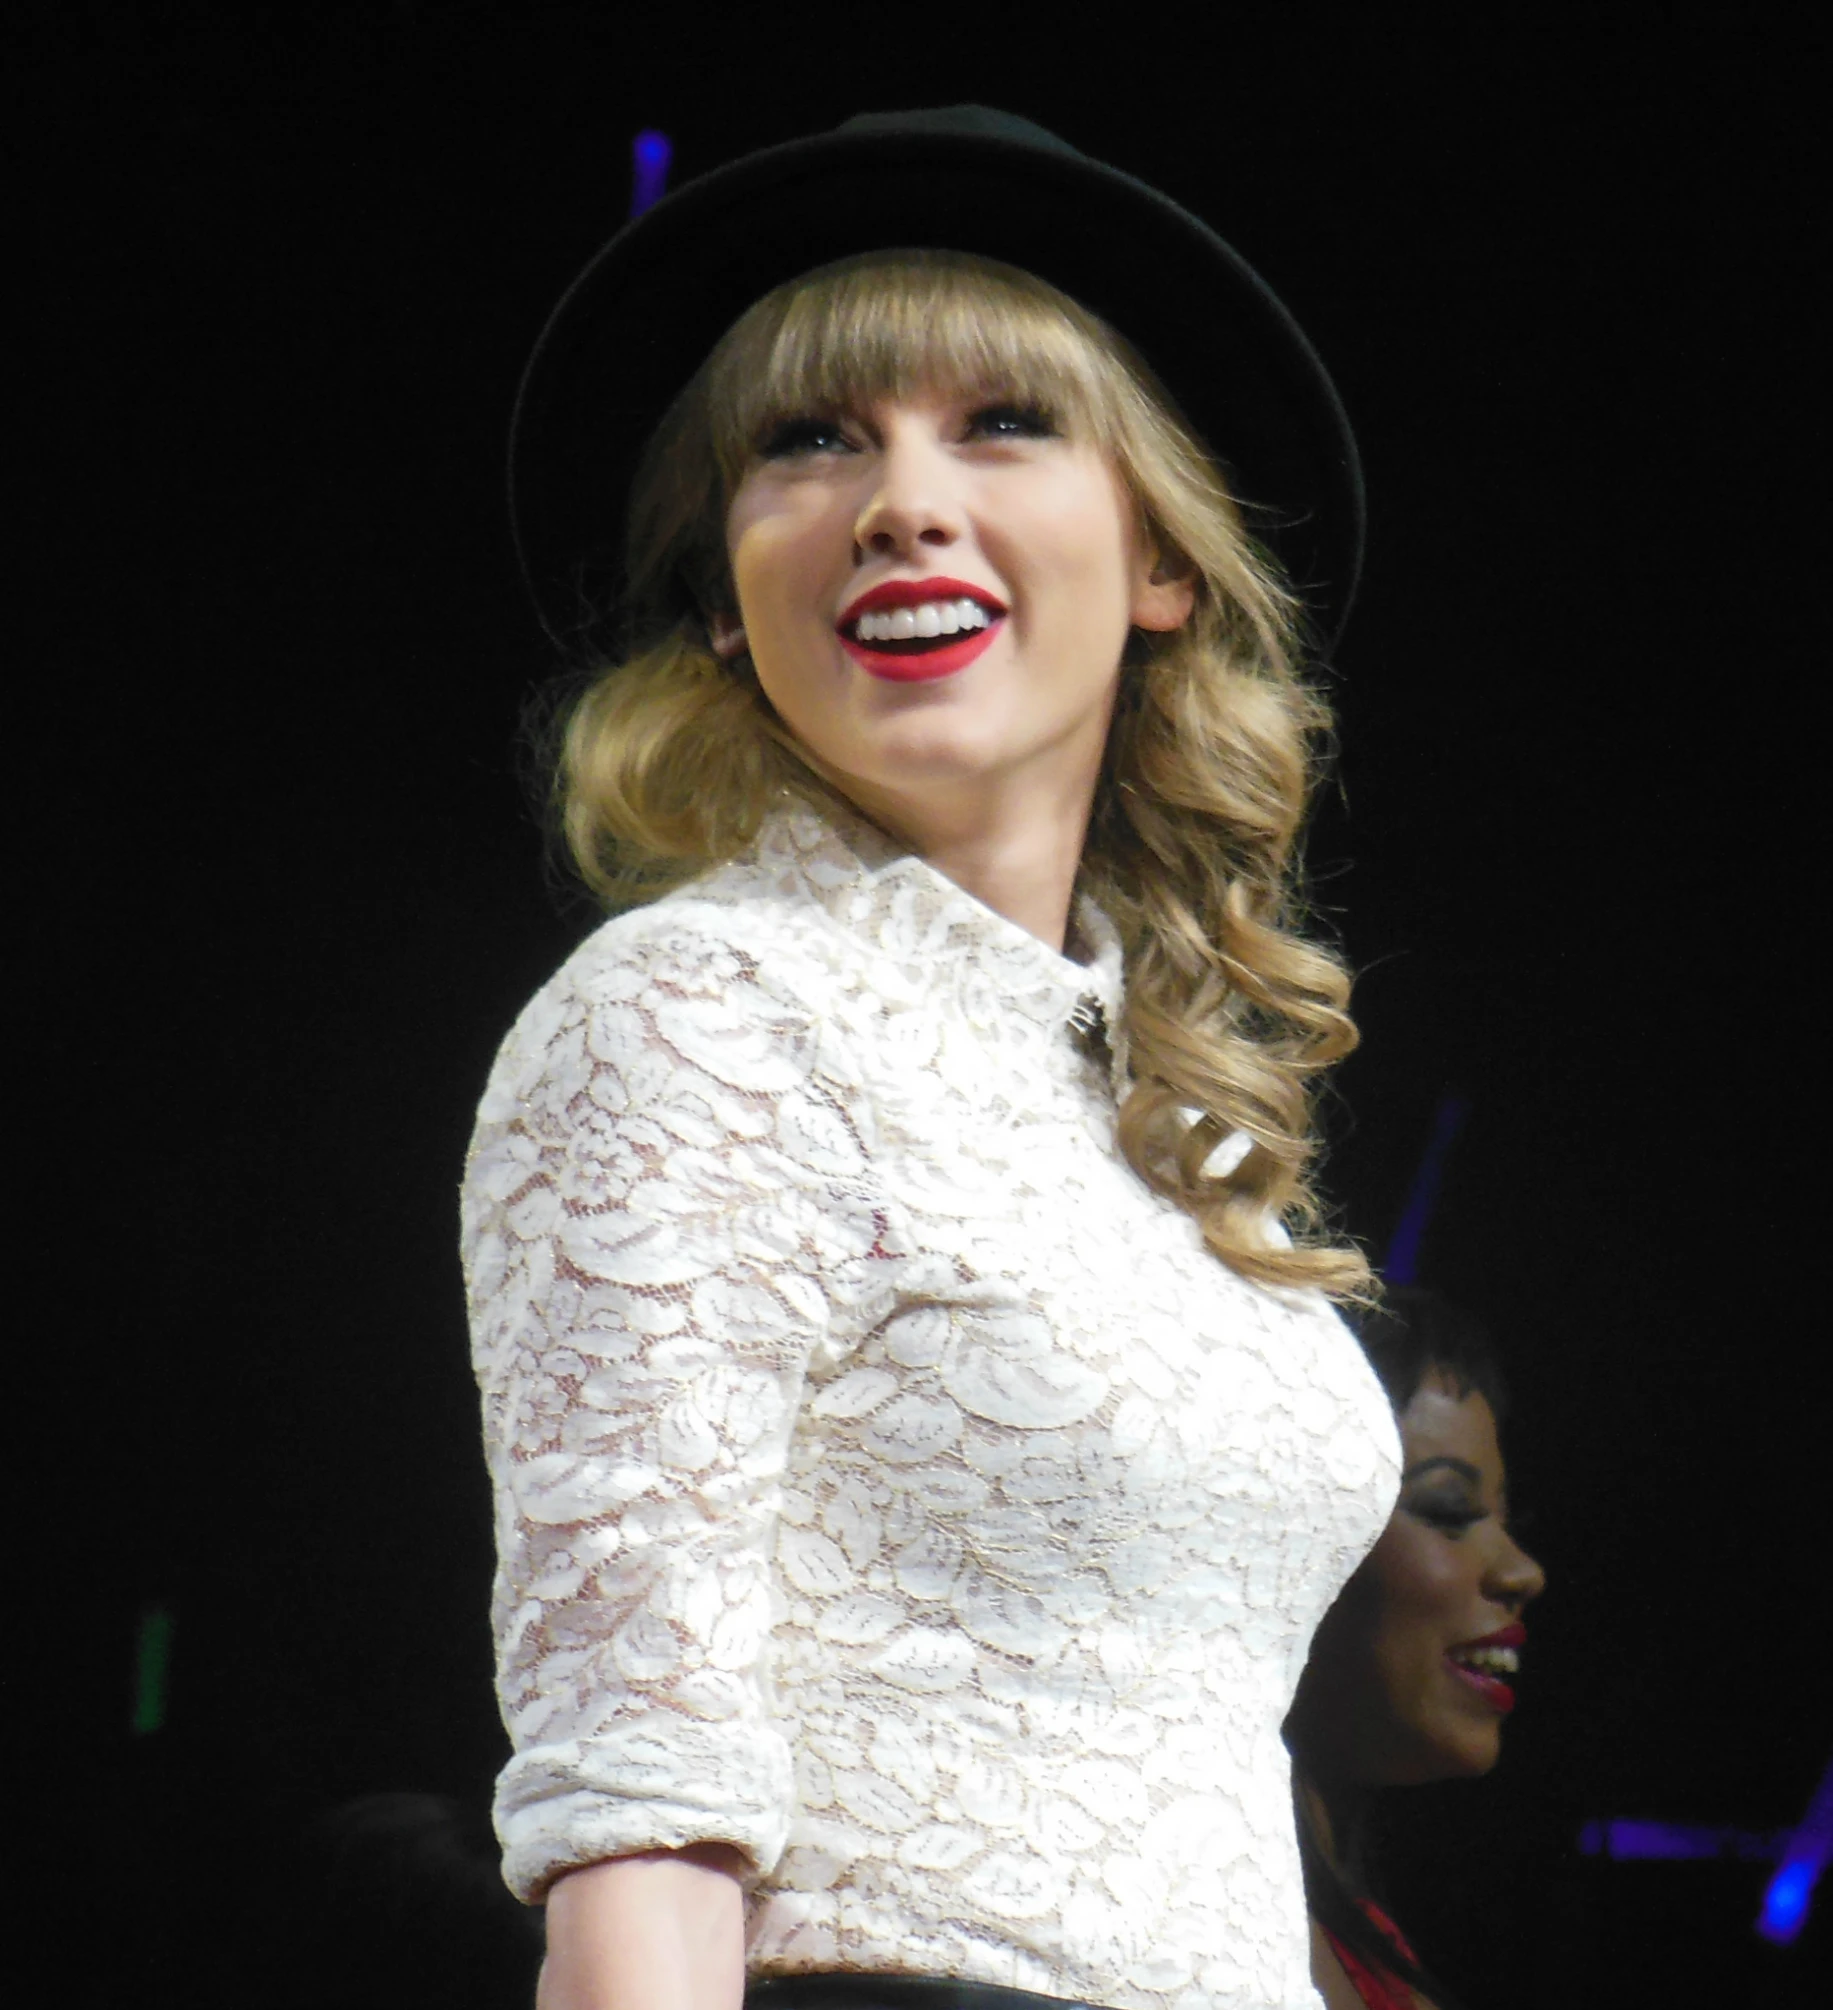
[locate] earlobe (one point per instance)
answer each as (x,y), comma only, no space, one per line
(1164,603)
(726,635)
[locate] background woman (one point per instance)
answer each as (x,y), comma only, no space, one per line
(922,1442)
(1411,1675)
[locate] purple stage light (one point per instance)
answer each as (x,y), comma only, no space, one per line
(1799,1854)
(1402,1265)
(650,155)
(1678,1842)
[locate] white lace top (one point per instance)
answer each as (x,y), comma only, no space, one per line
(887,1481)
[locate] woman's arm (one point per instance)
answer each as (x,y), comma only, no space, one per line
(649,1252)
(662,1930)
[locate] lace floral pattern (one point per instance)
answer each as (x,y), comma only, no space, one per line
(887,1482)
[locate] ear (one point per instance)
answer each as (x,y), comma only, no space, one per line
(727,635)
(1163,600)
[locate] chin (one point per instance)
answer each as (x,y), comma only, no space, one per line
(1470,1759)
(1431,1756)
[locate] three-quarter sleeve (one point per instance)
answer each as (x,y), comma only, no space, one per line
(666,1195)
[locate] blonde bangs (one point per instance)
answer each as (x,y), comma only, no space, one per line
(893,324)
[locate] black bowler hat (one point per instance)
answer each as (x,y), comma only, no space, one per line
(653,303)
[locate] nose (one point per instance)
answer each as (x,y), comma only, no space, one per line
(910,504)
(1514,1578)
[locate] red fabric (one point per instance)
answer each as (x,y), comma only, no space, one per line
(1380,1991)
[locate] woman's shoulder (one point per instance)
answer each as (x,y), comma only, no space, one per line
(727,937)
(692,972)
(1373,1985)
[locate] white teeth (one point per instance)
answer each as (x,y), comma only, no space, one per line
(933,617)
(1489,1660)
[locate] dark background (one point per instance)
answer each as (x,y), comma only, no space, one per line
(283,268)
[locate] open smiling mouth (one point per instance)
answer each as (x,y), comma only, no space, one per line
(1484,1663)
(920,641)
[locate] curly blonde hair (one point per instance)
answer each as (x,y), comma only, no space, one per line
(669,758)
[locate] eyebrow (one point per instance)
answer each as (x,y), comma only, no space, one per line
(1462,1467)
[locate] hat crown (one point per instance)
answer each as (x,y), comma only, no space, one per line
(972,121)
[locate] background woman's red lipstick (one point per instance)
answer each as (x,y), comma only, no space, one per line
(1497,1694)
(1501,1650)
(942,662)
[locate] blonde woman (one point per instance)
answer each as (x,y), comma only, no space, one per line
(922,1440)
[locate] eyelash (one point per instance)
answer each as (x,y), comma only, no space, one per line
(795,436)
(1453,1522)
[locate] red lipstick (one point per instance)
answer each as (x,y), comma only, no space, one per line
(1501,1646)
(943,659)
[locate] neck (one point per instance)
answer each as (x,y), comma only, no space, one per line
(1014,843)
(1025,874)
(1337,1813)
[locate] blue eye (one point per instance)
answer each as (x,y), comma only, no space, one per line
(1030,422)
(809,435)
(800,436)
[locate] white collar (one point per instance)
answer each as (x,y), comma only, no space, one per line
(939,933)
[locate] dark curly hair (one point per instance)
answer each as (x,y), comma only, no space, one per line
(1414,1333)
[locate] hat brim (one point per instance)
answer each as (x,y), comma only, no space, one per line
(645,313)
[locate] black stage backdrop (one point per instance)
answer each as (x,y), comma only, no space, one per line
(282,269)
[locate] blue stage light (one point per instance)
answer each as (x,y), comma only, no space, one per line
(650,155)
(1785,1903)
(1791,1890)
(1800,1854)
